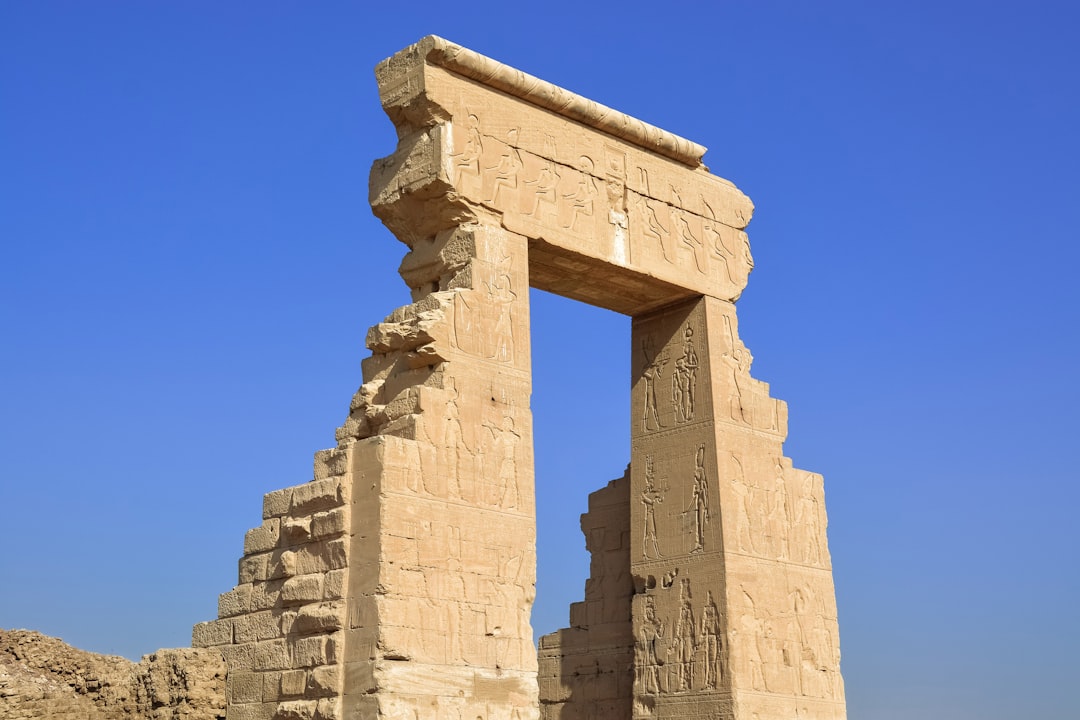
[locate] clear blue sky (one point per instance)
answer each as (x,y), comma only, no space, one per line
(189,266)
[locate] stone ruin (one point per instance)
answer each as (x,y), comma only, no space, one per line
(399,582)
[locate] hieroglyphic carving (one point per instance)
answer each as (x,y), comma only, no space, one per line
(684,379)
(615,182)
(501,293)
(684,642)
(454,443)
(651,225)
(699,501)
(651,374)
(711,638)
(504,441)
(743,506)
(467,162)
(736,359)
(649,636)
(686,235)
(582,198)
(650,498)
(504,174)
(544,192)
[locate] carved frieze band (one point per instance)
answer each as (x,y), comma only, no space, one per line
(543,94)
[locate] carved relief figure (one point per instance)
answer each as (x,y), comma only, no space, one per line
(543,190)
(742,507)
(684,642)
(712,640)
(506,441)
(654,368)
(650,498)
(699,502)
(649,636)
(682,227)
(467,162)
(454,443)
(501,294)
(507,169)
(737,359)
(650,221)
(777,518)
(805,523)
(753,642)
(583,198)
(684,379)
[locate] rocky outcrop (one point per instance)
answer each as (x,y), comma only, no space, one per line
(43,677)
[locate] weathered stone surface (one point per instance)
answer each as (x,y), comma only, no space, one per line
(42,677)
(399,582)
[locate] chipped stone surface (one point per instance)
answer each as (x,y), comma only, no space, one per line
(399,581)
(43,677)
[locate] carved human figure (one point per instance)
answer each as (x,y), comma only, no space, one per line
(506,442)
(684,379)
(743,506)
(650,498)
(737,360)
(777,518)
(650,634)
(711,639)
(501,294)
(543,190)
(686,235)
(752,633)
(467,162)
(699,501)
(684,641)
(454,443)
(507,169)
(654,368)
(582,199)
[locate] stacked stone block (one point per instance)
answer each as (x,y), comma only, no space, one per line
(585,670)
(281,628)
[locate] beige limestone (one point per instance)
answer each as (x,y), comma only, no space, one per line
(44,678)
(399,582)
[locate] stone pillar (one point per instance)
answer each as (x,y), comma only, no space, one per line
(443,556)
(399,582)
(734,612)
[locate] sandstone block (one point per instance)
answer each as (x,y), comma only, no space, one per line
(277,503)
(326,680)
(244,687)
(318,495)
(256,626)
(254,568)
(334,585)
(262,538)
(329,709)
(330,463)
(215,632)
(296,530)
(235,602)
(324,617)
(239,657)
(328,524)
(302,589)
(296,710)
(272,655)
(293,683)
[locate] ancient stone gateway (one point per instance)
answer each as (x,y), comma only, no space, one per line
(398,584)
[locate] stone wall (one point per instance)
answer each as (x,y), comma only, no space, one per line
(586,669)
(43,677)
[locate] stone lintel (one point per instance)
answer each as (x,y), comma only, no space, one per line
(617,213)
